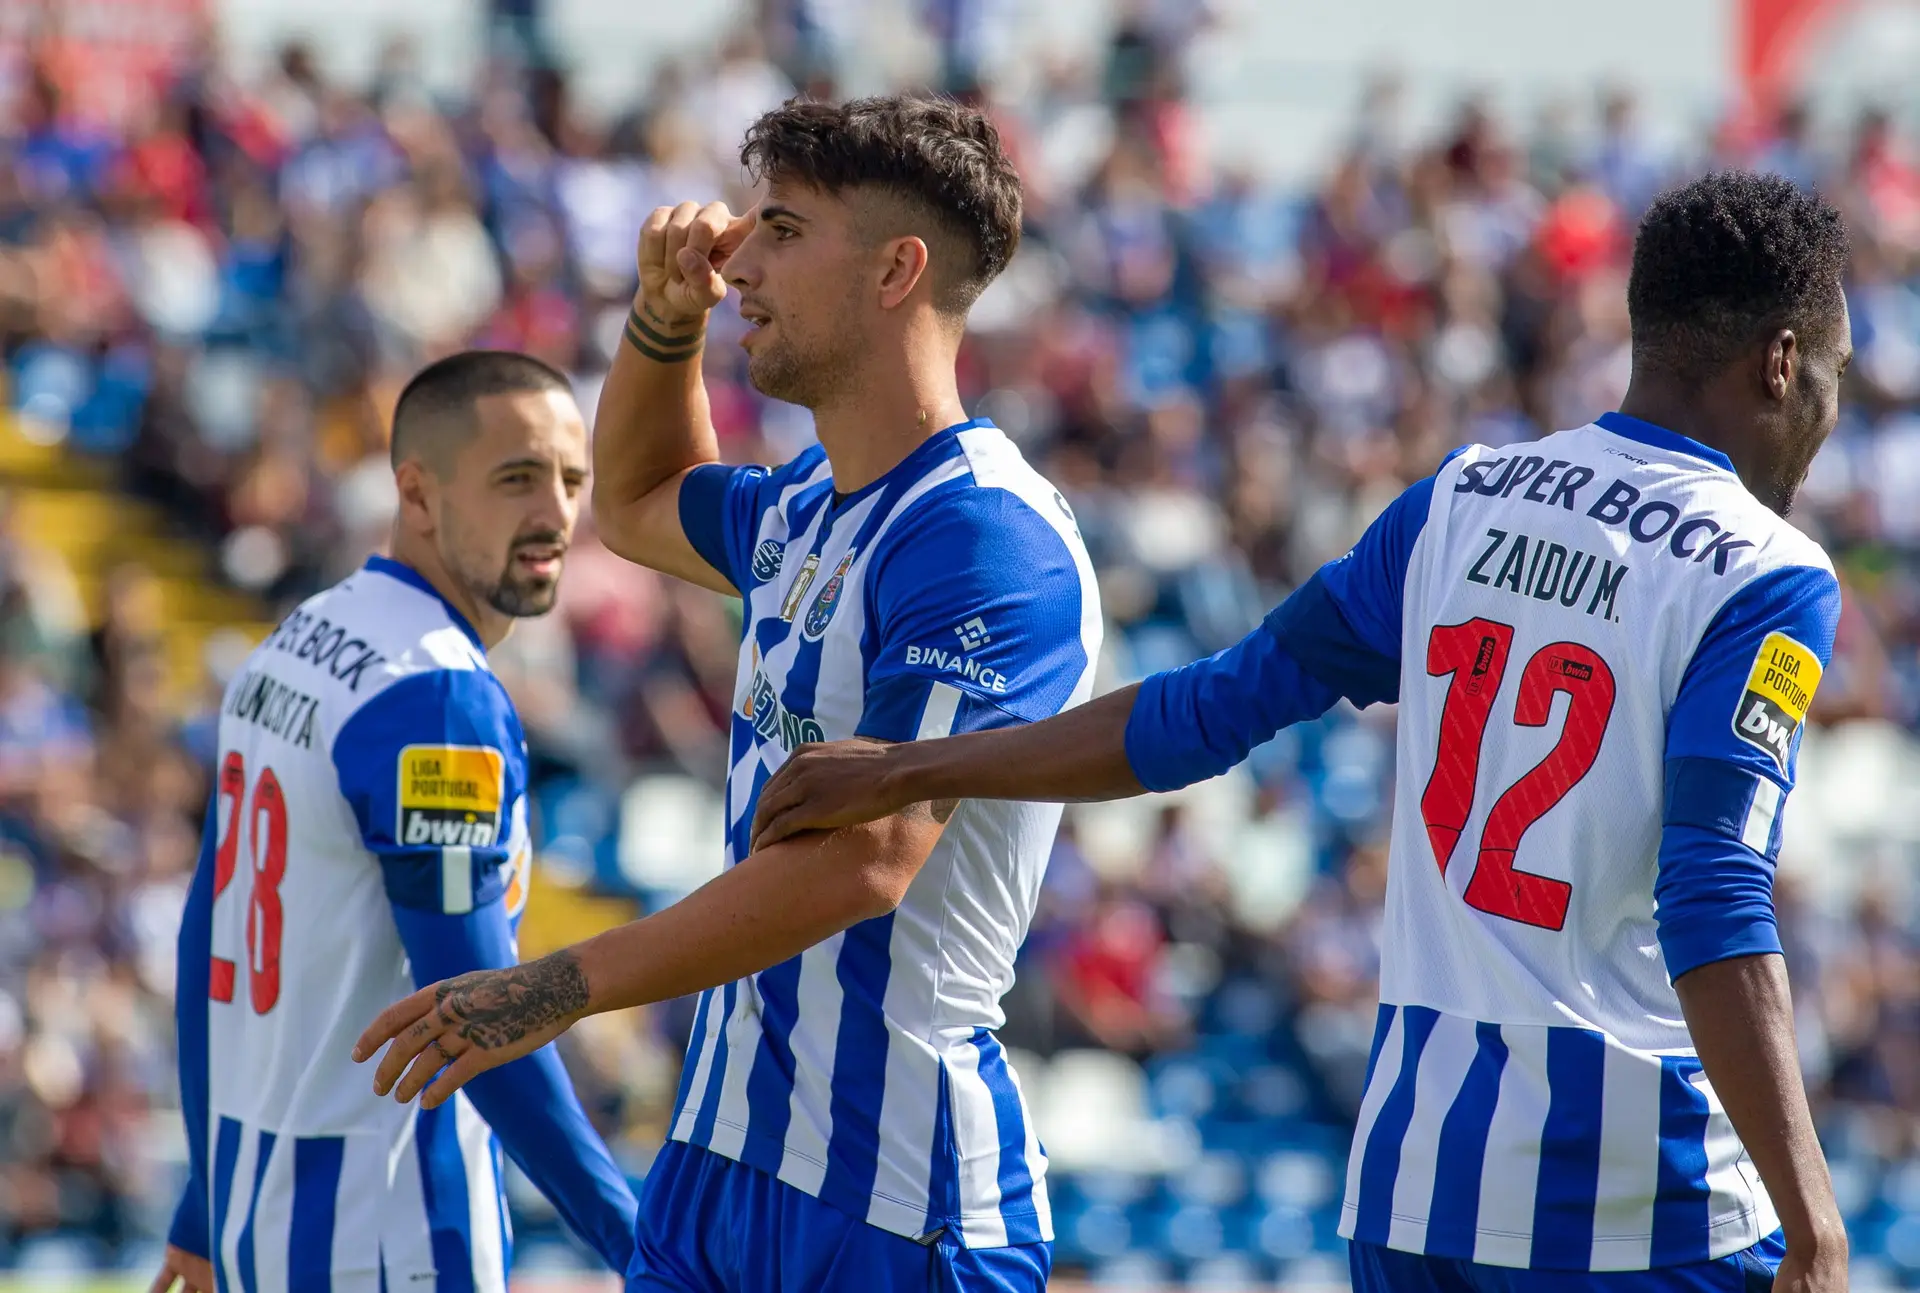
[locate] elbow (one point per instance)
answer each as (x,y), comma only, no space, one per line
(876,889)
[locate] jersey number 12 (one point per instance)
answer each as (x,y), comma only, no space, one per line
(264,813)
(1475,653)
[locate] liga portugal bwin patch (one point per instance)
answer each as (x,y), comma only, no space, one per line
(1780,686)
(450,795)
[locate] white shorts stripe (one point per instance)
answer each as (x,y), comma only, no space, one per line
(1512,1171)
(976,1135)
(1386,1070)
(273,1218)
(1629,1160)
(804,1164)
(1444,1061)
(483,1197)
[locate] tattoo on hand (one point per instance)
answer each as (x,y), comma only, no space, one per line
(496,1008)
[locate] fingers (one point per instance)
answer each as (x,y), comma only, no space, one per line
(470,1064)
(653,244)
(777,828)
(165,1280)
(406,1046)
(391,1021)
(776,796)
(434,1056)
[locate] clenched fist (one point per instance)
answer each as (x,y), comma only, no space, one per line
(682,249)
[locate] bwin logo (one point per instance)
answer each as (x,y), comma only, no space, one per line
(973,634)
(1764,728)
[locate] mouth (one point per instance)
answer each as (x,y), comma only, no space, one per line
(756,318)
(541,560)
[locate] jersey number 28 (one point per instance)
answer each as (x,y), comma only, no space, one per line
(265,814)
(1475,653)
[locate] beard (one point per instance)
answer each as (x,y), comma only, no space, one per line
(808,377)
(513,591)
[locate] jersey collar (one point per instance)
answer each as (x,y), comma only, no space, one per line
(408,575)
(914,463)
(1659,437)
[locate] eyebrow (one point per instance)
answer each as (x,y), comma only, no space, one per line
(774,211)
(520,464)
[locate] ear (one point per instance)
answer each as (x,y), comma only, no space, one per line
(416,489)
(1783,363)
(903,263)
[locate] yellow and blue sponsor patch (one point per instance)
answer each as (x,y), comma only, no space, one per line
(450,795)
(1779,690)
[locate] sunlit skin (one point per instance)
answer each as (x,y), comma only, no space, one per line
(491,533)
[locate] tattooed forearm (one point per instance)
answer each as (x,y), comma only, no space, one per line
(495,1008)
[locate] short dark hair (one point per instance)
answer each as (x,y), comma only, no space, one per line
(942,155)
(427,419)
(1722,261)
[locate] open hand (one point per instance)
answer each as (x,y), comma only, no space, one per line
(682,249)
(824,787)
(180,1267)
(447,1033)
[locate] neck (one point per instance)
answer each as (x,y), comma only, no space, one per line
(886,415)
(1694,413)
(411,551)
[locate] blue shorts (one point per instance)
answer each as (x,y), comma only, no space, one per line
(1386,1270)
(711,1225)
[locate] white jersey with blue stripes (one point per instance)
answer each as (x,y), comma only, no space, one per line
(1605,648)
(367,757)
(950,595)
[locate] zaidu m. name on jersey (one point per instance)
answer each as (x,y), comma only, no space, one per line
(368,832)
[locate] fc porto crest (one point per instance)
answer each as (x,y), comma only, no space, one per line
(826,601)
(767,558)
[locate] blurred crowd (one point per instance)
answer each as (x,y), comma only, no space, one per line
(219,300)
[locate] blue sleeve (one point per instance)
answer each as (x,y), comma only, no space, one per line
(980,617)
(1343,625)
(720,510)
(1733,737)
(1338,635)
(432,768)
(530,1104)
(1195,722)
(192,1229)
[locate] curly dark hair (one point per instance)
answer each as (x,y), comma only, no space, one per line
(941,155)
(1722,261)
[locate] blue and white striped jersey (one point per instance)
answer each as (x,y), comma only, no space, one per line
(1603,647)
(950,595)
(367,834)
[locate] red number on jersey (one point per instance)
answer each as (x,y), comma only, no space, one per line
(232,791)
(266,919)
(1475,653)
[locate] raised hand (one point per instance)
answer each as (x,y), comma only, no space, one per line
(449,1032)
(682,249)
(823,787)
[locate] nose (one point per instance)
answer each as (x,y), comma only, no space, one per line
(556,508)
(742,269)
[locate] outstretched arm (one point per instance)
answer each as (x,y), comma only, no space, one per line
(758,913)
(1176,728)
(653,426)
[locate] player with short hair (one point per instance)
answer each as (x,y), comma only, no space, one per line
(1603,645)
(368,833)
(846,1119)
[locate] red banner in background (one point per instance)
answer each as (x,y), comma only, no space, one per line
(110,57)
(1770,37)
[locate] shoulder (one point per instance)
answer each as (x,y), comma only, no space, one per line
(986,516)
